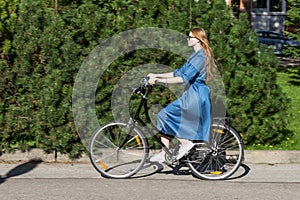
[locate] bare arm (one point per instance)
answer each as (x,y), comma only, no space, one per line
(167,78)
(164,75)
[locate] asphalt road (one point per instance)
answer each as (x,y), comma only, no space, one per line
(60,181)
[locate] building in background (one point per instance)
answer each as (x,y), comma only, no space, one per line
(267,15)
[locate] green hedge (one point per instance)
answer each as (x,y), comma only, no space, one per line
(43,46)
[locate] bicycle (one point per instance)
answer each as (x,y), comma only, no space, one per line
(120,149)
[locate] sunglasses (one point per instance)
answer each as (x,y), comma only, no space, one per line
(189,37)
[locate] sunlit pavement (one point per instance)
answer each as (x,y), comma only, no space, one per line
(247,172)
(77,181)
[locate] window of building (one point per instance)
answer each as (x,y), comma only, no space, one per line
(259,5)
(275,5)
(268,5)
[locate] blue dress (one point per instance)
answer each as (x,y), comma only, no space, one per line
(189,117)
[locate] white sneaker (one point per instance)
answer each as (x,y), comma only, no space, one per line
(183,150)
(159,157)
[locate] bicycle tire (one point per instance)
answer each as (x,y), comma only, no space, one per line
(222,159)
(113,160)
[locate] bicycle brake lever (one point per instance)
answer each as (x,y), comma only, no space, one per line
(144,80)
(136,89)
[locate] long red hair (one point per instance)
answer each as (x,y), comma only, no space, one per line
(210,64)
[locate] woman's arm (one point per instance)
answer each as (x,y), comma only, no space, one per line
(164,75)
(166,78)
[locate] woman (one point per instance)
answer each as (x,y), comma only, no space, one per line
(189,117)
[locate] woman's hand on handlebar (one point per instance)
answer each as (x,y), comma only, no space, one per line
(152,79)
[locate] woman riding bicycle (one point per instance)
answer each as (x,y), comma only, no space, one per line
(189,117)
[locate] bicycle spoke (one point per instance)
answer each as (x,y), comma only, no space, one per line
(116,152)
(224,158)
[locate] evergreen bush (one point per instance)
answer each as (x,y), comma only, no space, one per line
(43,45)
(293,24)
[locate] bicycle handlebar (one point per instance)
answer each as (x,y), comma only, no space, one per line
(145,81)
(144,85)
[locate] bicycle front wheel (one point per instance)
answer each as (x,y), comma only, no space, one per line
(118,150)
(224,156)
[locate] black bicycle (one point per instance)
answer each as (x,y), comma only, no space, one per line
(120,149)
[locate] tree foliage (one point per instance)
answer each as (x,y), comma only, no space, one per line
(43,44)
(293,21)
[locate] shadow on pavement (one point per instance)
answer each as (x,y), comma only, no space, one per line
(177,170)
(20,169)
(246,171)
(149,169)
(182,170)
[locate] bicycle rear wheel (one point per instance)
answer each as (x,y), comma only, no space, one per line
(118,150)
(222,158)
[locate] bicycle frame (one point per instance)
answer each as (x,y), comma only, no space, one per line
(218,159)
(153,131)
(144,89)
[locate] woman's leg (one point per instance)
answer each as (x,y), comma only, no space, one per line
(160,157)
(165,140)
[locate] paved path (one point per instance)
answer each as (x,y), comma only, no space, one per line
(285,173)
(35,180)
(264,175)
(251,156)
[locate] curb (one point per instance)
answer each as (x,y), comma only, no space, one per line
(251,156)
(272,156)
(40,155)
